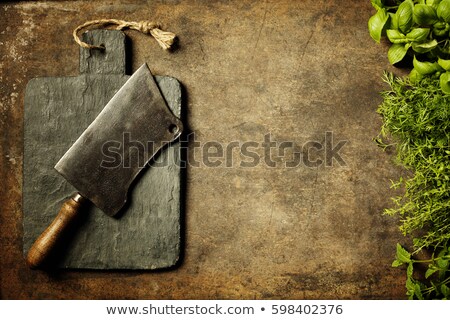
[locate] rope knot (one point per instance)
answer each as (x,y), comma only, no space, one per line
(146,26)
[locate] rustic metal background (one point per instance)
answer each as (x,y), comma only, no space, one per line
(295,69)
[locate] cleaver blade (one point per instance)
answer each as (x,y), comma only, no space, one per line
(110,153)
(103,162)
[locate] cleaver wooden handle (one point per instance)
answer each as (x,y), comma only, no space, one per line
(43,245)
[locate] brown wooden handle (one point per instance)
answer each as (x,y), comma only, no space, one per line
(43,245)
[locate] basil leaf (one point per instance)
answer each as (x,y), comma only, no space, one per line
(433,3)
(425,68)
(445,64)
(444,81)
(440,29)
(414,76)
(397,52)
(425,46)
(405,15)
(393,21)
(377,4)
(424,15)
(376,24)
(418,34)
(395,36)
(443,10)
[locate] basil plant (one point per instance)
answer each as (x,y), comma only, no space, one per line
(419,28)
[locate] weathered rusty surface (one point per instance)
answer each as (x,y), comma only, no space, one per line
(295,69)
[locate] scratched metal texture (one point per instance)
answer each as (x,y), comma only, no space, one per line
(295,69)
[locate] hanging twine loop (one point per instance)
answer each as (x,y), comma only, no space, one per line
(164,38)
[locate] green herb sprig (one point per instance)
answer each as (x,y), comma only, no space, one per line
(416,116)
(436,282)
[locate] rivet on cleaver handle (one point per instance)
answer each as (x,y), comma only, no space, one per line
(102,163)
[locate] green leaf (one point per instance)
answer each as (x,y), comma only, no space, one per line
(445,290)
(396,263)
(402,254)
(414,76)
(396,36)
(425,68)
(445,64)
(433,3)
(410,284)
(377,4)
(441,262)
(424,15)
(443,252)
(376,24)
(405,15)
(430,272)
(425,46)
(418,34)
(393,21)
(397,52)
(418,291)
(410,270)
(440,29)
(444,81)
(443,10)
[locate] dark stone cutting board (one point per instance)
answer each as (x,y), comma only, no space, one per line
(146,235)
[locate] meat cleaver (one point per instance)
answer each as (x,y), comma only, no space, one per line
(103,162)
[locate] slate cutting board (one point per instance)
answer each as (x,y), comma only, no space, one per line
(146,235)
